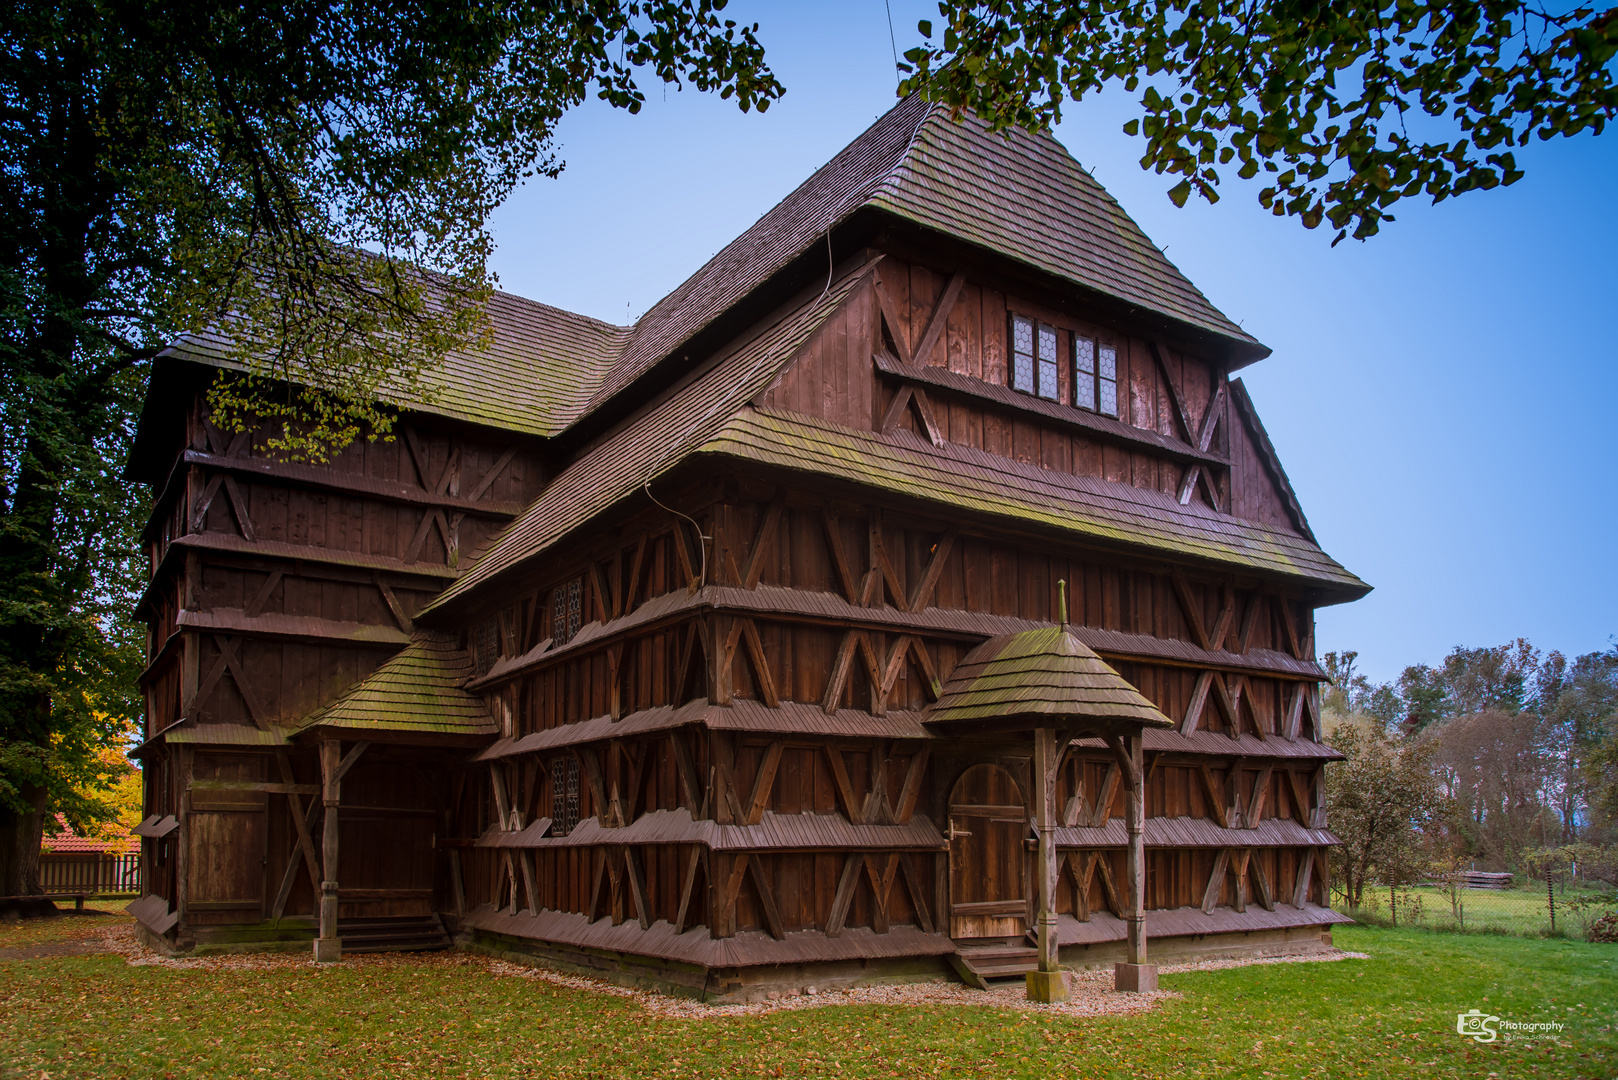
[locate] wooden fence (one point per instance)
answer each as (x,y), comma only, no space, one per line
(89,873)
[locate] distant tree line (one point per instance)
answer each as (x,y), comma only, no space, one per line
(1499,757)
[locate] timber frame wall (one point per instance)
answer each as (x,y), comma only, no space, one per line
(784,692)
(713,747)
(275,586)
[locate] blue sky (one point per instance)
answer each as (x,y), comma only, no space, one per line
(1441,396)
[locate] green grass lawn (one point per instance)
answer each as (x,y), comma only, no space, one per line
(1391,1015)
(1512,911)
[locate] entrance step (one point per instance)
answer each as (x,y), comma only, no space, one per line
(401,933)
(979,962)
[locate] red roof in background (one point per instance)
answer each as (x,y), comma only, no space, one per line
(69,842)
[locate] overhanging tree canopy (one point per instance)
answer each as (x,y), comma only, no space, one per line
(1347,106)
(313,176)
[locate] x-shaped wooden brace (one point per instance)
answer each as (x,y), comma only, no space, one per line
(238,505)
(1203,438)
(229,661)
(303,818)
(910,394)
(1082,867)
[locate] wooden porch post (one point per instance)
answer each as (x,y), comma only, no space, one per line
(1135,822)
(1047,983)
(328,946)
(1135,975)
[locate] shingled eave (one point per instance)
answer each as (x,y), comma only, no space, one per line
(657,438)
(996,489)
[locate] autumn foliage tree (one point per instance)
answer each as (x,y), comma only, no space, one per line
(1381,800)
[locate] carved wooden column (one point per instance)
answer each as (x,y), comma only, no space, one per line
(328,946)
(1046,984)
(1136,975)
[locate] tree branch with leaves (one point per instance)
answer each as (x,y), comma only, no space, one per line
(305,185)
(1345,107)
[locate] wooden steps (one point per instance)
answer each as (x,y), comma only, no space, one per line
(402,933)
(978,962)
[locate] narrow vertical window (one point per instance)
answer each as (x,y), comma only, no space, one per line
(575,591)
(1109,380)
(1022,354)
(485,645)
(564,795)
(1047,362)
(559,614)
(566,610)
(1084,373)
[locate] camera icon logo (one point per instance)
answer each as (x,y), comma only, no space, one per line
(1477,1025)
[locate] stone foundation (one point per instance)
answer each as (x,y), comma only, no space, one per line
(1292,941)
(733,986)
(719,986)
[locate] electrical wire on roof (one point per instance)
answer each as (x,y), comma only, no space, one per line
(703,538)
(892,41)
(831,266)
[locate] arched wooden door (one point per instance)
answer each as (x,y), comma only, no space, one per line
(987,823)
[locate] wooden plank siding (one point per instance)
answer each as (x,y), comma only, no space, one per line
(651,671)
(297,560)
(835,380)
(652,644)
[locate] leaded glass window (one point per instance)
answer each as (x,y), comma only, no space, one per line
(1022,354)
(1047,362)
(566,610)
(564,795)
(1108,380)
(1084,373)
(485,645)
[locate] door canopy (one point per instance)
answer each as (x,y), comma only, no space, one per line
(1040,678)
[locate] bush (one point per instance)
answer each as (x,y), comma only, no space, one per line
(1604,929)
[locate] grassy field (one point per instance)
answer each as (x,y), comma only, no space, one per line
(1511,911)
(1391,1015)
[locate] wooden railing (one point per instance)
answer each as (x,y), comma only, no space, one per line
(89,873)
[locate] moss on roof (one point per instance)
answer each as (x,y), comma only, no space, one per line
(420,690)
(535,376)
(963,478)
(1039,675)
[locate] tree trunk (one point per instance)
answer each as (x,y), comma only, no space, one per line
(19,845)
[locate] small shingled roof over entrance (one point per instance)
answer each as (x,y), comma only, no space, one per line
(1036,678)
(419,690)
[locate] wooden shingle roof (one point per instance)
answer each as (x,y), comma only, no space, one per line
(1021,195)
(535,376)
(419,690)
(1044,676)
(982,483)
(657,438)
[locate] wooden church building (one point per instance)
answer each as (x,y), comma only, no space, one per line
(912,591)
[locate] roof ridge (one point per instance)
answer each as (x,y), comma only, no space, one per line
(528,301)
(826,198)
